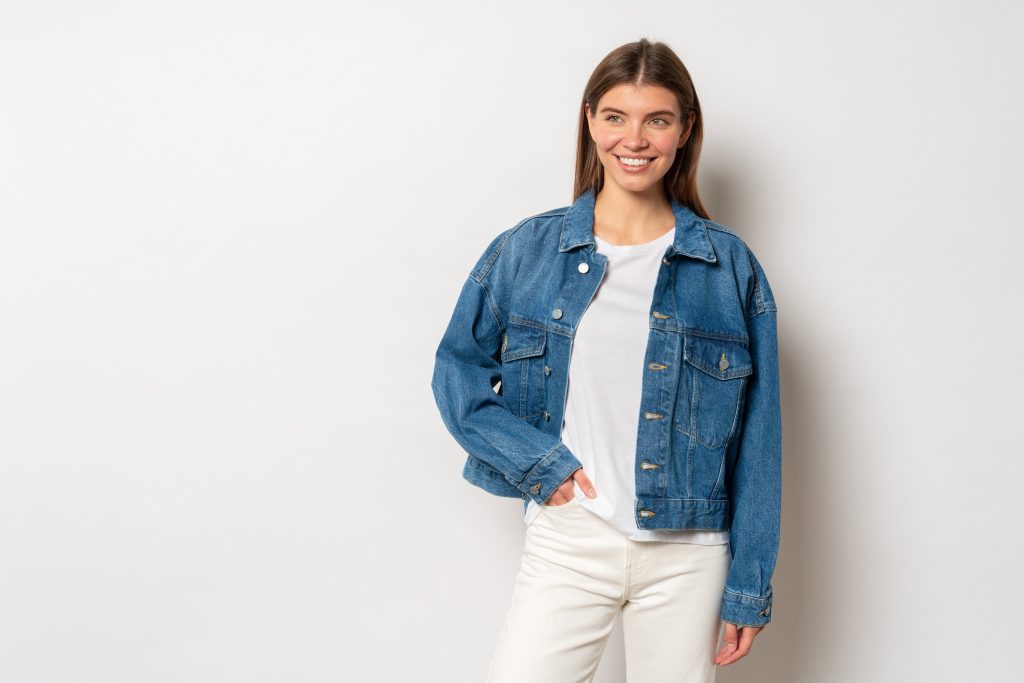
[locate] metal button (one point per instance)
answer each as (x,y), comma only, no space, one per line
(547,370)
(583,267)
(648,465)
(660,315)
(666,261)
(547,416)
(647,513)
(535,489)
(657,366)
(557,313)
(723,363)
(653,416)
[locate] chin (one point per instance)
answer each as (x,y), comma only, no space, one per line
(634,184)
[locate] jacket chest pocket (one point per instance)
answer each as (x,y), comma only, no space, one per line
(712,388)
(522,370)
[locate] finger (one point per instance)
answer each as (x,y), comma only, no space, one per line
(730,643)
(746,639)
(563,494)
(564,491)
(584,482)
(747,636)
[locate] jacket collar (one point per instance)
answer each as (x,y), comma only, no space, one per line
(691,237)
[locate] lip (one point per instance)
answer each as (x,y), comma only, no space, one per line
(634,169)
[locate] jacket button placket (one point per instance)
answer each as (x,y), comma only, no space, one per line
(652,440)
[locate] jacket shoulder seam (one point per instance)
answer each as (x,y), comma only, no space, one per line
(560,211)
(481,273)
(721,228)
(759,303)
(492,307)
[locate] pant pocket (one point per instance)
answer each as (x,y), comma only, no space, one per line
(573,502)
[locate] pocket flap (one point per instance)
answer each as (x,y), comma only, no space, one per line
(522,341)
(717,357)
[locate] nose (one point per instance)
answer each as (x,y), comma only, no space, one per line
(634,137)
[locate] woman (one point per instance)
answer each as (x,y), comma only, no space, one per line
(649,466)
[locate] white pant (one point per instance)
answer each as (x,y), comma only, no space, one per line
(578,572)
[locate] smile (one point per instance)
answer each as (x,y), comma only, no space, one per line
(634,164)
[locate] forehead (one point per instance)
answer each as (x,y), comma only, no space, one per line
(639,99)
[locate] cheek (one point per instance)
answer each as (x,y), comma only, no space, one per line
(667,144)
(604,139)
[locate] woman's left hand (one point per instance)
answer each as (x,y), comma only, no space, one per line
(736,645)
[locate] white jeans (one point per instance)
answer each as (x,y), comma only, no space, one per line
(578,572)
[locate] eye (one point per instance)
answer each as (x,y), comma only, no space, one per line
(612,116)
(660,119)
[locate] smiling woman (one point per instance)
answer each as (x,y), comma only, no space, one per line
(640,141)
(635,343)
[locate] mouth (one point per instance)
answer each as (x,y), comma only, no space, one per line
(634,164)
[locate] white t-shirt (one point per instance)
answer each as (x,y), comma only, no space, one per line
(604,393)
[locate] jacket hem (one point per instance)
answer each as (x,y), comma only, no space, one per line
(682,513)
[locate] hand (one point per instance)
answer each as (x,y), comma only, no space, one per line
(566,492)
(736,647)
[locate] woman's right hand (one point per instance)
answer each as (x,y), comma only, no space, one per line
(567,491)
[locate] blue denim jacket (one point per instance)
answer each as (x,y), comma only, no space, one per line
(709,431)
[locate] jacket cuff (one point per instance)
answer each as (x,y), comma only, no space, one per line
(554,468)
(746,610)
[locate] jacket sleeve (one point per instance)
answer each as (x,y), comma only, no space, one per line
(466,367)
(756,476)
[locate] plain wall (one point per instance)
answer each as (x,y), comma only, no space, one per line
(233,233)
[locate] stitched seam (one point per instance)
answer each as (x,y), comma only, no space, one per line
(526,322)
(748,596)
(493,256)
(657,324)
(720,228)
(758,295)
(540,463)
(491,306)
(769,309)
(699,500)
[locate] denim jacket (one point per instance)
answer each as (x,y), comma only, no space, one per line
(709,430)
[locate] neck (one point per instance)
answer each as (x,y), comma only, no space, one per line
(622,217)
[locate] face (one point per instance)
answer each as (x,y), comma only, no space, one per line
(638,132)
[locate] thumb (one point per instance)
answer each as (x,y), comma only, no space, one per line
(584,482)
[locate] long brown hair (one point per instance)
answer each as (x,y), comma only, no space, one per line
(643,63)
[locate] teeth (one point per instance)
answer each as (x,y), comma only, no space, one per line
(634,162)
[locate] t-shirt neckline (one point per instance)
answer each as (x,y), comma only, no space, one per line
(636,248)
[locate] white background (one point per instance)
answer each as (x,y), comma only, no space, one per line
(232,235)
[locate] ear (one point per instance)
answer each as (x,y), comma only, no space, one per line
(590,121)
(691,117)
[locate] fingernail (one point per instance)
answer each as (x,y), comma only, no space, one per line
(591,493)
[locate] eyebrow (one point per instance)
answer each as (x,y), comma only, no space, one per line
(661,112)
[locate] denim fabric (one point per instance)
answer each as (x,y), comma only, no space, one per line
(709,431)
